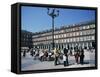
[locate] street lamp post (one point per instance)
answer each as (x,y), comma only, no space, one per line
(53,15)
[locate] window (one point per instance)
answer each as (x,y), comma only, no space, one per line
(61,31)
(73,29)
(81,39)
(88,27)
(70,34)
(92,26)
(77,38)
(84,27)
(85,32)
(70,39)
(56,36)
(60,41)
(67,30)
(80,32)
(77,33)
(88,38)
(56,41)
(64,35)
(64,40)
(60,36)
(92,37)
(74,40)
(84,38)
(92,31)
(50,37)
(80,28)
(67,40)
(73,33)
(56,32)
(77,28)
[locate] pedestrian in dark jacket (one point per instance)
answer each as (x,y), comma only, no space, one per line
(82,56)
(66,54)
(24,53)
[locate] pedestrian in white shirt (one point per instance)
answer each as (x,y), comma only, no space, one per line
(64,60)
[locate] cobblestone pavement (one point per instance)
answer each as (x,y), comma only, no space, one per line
(28,63)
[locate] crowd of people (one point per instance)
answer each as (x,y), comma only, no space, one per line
(78,54)
(56,55)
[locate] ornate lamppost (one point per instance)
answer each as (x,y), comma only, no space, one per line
(53,15)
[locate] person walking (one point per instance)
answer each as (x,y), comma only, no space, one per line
(31,52)
(64,60)
(82,56)
(77,55)
(66,55)
(24,53)
(56,55)
(41,55)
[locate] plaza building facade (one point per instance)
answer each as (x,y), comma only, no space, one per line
(26,39)
(69,36)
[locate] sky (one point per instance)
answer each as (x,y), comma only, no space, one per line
(36,19)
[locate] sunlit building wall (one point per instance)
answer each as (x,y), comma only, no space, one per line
(80,35)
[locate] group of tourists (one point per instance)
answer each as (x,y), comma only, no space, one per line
(58,55)
(78,54)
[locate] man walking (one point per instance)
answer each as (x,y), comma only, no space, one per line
(82,56)
(66,55)
(56,53)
